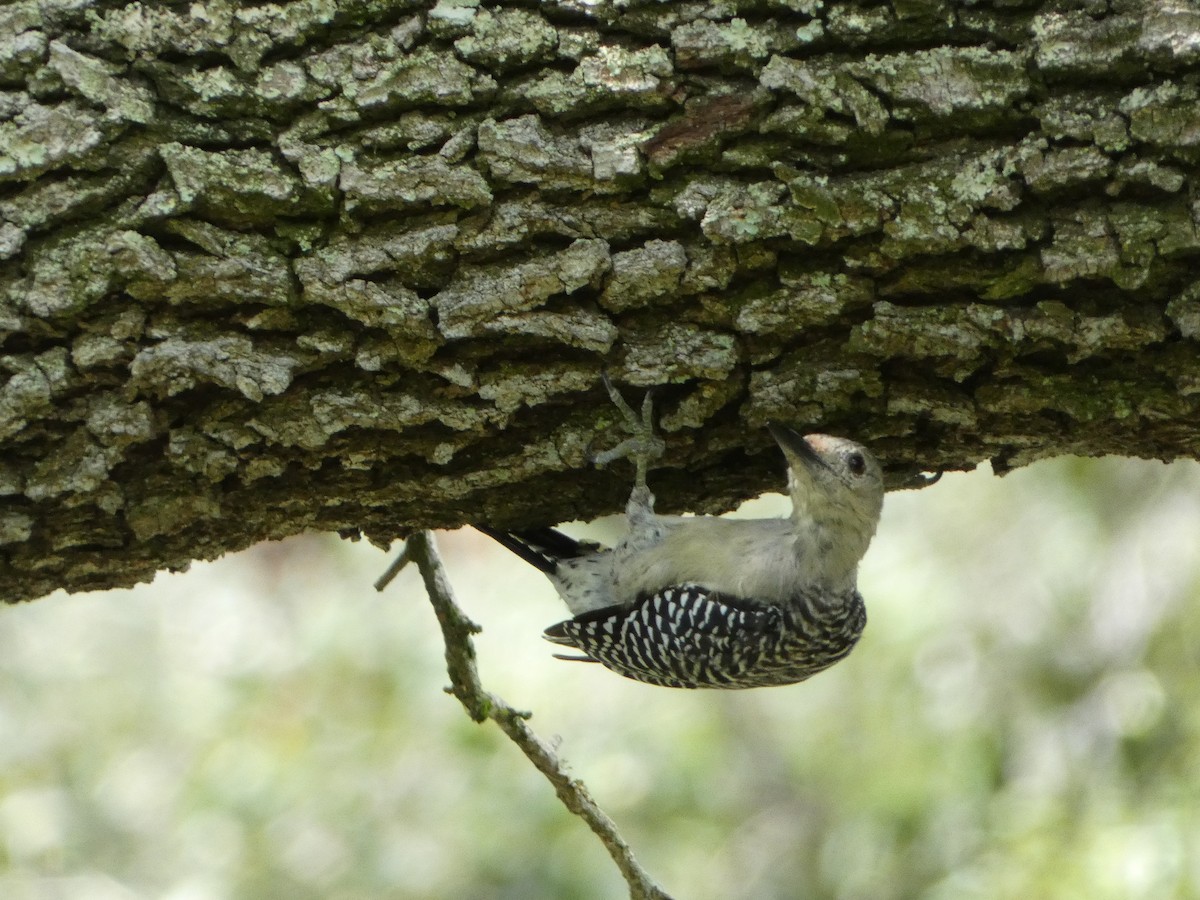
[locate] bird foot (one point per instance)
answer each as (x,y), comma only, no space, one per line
(643,445)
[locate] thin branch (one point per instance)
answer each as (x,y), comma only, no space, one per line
(457,631)
(393,570)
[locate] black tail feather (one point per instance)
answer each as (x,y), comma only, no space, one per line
(542,548)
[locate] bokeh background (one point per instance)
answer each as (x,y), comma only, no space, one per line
(1021,719)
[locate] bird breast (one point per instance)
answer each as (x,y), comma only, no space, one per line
(763,561)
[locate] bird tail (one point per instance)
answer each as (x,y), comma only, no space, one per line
(542,548)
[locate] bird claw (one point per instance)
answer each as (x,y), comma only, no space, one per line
(643,445)
(920,481)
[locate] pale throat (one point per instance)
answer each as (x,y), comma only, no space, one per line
(829,545)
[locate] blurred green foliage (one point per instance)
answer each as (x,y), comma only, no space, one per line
(1021,719)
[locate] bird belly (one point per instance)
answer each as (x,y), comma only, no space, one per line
(736,561)
(586,584)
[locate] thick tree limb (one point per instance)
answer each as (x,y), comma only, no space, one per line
(288,266)
(481,705)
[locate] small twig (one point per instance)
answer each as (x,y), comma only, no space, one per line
(480,705)
(393,570)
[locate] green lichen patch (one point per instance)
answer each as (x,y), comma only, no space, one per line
(1067,168)
(384,305)
(95,81)
(1074,43)
(1147,237)
(74,272)
(523,150)
(856,24)
(311,420)
(286,85)
(505,39)
(409,338)
(823,85)
(15,526)
(1147,173)
(808,299)
(70,197)
(22,52)
(415,130)
(732,46)
(232,269)
(582,328)
(416,256)
(210,93)
(33,385)
(233,362)
(115,422)
(98,351)
(148,29)
(199,454)
(163,507)
(1081,246)
(449,18)
(615,151)
(613,76)
(41,138)
(1166,116)
(995,277)
(937,202)
(925,208)
(641,275)
(962,339)
(703,400)
(932,401)
(709,268)
(741,214)
(240,187)
(423,77)
(666,352)
(479,294)
(371,186)
(974,84)
(1088,116)
(1084,398)
(1184,311)
(1170,36)
(954,340)
(12,240)
(532,384)
(80,466)
(812,386)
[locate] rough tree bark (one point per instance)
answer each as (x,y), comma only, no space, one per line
(317,265)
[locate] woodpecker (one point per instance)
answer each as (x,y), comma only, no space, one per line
(709,602)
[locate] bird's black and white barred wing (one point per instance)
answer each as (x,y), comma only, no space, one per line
(682,636)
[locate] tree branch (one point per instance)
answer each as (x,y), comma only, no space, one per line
(360,269)
(482,705)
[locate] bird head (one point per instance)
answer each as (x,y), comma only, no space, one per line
(832,481)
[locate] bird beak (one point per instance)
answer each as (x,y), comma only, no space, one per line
(794,445)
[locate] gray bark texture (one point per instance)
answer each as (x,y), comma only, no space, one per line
(359,265)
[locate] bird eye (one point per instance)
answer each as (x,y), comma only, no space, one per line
(857,464)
